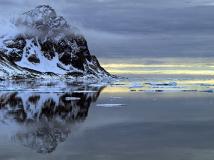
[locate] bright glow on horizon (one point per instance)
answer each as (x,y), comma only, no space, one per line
(163,72)
(152,65)
(164,69)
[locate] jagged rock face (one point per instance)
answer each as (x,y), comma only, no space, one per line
(49,45)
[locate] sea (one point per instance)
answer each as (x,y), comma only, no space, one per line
(156,109)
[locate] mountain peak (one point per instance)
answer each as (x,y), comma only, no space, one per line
(43,11)
(43,18)
(45,8)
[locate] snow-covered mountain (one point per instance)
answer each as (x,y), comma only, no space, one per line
(40,43)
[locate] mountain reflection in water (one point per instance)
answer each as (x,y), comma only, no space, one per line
(46,118)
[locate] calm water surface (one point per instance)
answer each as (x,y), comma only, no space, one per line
(148,116)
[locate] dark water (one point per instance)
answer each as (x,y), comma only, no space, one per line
(110,123)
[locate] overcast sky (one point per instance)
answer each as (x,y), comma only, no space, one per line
(143,28)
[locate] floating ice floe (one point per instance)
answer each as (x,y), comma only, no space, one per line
(72,98)
(98,85)
(136,85)
(172,84)
(110,105)
(85,91)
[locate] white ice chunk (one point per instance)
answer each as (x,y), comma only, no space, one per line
(136,85)
(72,98)
(85,91)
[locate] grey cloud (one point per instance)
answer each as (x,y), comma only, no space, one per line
(135,27)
